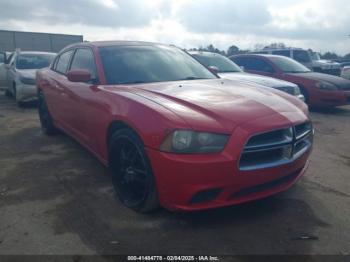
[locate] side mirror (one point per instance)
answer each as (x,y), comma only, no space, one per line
(213,69)
(79,75)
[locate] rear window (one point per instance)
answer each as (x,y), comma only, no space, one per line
(34,61)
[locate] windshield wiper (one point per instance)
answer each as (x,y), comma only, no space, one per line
(297,72)
(131,82)
(192,78)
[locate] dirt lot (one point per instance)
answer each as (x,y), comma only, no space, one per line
(56,198)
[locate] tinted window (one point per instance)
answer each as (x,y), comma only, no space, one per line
(288,65)
(150,63)
(2,58)
(34,61)
(282,52)
(84,59)
(256,64)
(63,62)
(301,56)
(9,57)
(224,64)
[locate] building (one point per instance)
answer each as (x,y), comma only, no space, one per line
(30,41)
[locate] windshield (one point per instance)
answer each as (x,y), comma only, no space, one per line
(315,56)
(288,65)
(34,61)
(150,63)
(302,56)
(224,64)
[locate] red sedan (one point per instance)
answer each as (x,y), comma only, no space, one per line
(171,132)
(321,90)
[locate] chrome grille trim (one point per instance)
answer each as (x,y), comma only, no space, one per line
(279,152)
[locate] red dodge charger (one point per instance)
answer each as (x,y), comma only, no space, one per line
(321,90)
(172,133)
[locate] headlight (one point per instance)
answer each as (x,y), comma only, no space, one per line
(27,80)
(190,142)
(326,86)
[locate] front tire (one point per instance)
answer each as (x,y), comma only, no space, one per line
(47,125)
(131,172)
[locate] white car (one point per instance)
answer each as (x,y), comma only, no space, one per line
(19,77)
(226,68)
(346,72)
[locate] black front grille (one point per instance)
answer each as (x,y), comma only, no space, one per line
(276,147)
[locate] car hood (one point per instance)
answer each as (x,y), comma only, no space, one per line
(322,61)
(28,73)
(258,79)
(342,83)
(220,105)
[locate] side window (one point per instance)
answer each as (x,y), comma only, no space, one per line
(63,62)
(301,56)
(84,59)
(12,60)
(282,53)
(2,57)
(8,59)
(240,61)
(257,64)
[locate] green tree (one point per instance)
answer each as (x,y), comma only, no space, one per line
(330,55)
(347,56)
(232,50)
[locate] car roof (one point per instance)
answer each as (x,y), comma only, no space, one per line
(117,43)
(206,53)
(35,53)
(257,55)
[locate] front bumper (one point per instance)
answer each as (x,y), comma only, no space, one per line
(26,93)
(198,182)
(324,98)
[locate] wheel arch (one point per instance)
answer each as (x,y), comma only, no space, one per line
(116,125)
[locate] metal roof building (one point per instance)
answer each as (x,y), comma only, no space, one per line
(31,41)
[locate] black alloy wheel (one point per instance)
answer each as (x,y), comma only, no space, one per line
(131,172)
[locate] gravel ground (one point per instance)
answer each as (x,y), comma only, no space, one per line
(56,198)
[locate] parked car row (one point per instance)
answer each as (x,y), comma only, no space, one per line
(185,131)
(17,74)
(318,89)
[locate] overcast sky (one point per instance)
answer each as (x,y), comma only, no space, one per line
(322,25)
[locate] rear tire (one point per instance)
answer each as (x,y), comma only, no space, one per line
(47,125)
(132,174)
